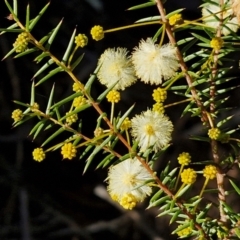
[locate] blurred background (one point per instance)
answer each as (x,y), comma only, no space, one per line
(53,199)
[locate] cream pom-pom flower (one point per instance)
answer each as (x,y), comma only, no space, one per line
(236,9)
(154,63)
(152,129)
(127,183)
(116,66)
(211,13)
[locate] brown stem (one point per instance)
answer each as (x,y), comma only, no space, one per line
(183,66)
(214,145)
(121,138)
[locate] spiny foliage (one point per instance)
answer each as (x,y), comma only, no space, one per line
(194,68)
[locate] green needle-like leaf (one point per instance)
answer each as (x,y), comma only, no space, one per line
(21,103)
(201,38)
(106,161)
(156,196)
(25,119)
(189,45)
(69,47)
(235,186)
(167,212)
(124,116)
(9,53)
(159,201)
(104,94)
(143,5)
(194,55)
(28,51)
(67,99)
(185,40)
(75,64)
(49,75)
(183,226)
(50,100)
(91,80)
(15,7)
(40,57)
(225,120)
(87,149)
(149,19)
(44,67)
(32,100)
(182,191)
(57,113)
(157,34)
(36,127)
(175,216)
(169,176)
(55,134)
(36,19)
(204,212)
(77,110)
(11,28)
(53,35)
(9,6)
(96,150)
(237,232)
(27,17)
(174,12)
(4,30)
(41,126)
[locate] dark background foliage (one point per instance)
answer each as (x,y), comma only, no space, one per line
(53,199)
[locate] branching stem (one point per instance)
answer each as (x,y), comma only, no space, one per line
(181,61)
(214,145)
(108,122)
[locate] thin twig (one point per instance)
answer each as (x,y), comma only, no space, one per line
(183,66)
(214,144)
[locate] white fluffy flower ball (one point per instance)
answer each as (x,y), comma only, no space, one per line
(154,63)
(152,129)
(211,13)
(116,66)
(128,178)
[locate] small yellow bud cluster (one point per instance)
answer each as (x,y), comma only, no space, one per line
(35,106)
(184,232)
(175,19)
(79,101)
(214,133)
(81,40)
(184,158)
(21,42)
(188,176)
(113,96)
(158,107)
(159,95)
(98,132)
(216,43)
(38,154)
(68,151)
(97,33)
(77,87)
(71,119)
(128,201)
(210,172)
(126,124)
(17,115)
